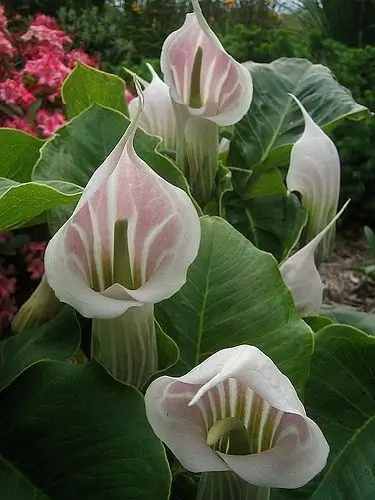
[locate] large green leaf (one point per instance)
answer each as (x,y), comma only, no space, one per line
(21,203)
(18,154)
(270,183)
(264,137)
(234,294)
(361,320)
(58,339)
(86,86)
(79,147)
(272,223)
(340,397)
(75,432)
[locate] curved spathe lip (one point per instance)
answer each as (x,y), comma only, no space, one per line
(181,410)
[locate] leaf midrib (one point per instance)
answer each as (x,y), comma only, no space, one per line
(203,308)
(22,477)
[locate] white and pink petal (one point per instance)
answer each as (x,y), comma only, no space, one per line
(163,236)
(238,388)
(224,86)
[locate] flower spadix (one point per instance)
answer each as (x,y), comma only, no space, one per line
(301,276)
(157,117)
(209,89)
(129,241)
(314,172)
(237,412)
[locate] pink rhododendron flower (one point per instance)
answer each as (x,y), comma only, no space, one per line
(20,124)
(7,290)
(14,92)
(43,20)
(6,47)
(34,254)
(7,286)
(44,40)
(49,70)
(3,19)
(48,121)
(8,309)
(79,55)
(4,236)
(44,60)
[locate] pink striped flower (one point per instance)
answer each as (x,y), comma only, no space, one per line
(127,212)
(208,89)
(202,76)
(128,245)
(237,412)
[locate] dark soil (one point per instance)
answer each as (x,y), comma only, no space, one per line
(344,286)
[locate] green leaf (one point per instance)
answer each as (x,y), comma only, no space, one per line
(21,203)
(272,223)
(81,146)
(14,485)
(361,320)
(340,397)
(224,186)
(264,137)
(168,351)
(227,301)
(86,86)
(58,339)
(75,432)
(316,323)
(270,183)
(18,154)
(78,148)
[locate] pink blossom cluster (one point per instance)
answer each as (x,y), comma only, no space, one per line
(34,254)
(7,286)
(33,257)
(33,67)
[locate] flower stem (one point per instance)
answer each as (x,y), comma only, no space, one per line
(126,346)
(228,486)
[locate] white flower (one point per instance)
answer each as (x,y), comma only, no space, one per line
(157,117)
(128,243)
(314,172)
(236,411)
(301,276)
(208,89)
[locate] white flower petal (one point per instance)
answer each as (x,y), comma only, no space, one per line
(291,463)
(301,276)
(163,237)
(226,87)
(179,426)
(240,384)
(157,117)
(314,172)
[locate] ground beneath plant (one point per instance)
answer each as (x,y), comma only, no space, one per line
(343,286)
